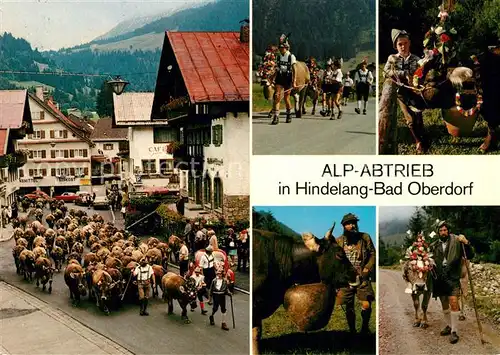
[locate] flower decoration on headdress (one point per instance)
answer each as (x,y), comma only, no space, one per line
(419,255)
(284,41)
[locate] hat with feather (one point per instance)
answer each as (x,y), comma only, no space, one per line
(284,43)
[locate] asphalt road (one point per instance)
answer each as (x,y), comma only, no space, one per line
(398,336)
(156,334)
(353,134)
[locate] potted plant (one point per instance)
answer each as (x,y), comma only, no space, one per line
(173,147)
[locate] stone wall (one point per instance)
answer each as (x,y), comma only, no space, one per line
(236,208)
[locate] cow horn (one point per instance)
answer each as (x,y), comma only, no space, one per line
(72,275)
(181,288)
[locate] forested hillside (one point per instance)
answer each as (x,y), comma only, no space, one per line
(476,21)
(318,28)
(266,221)
(139,67)
(478,223)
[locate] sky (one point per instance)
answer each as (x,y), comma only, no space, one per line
(319,219)
(54,24)
(387,213)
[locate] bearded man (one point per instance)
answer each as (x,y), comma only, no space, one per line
(361,253)
(448,252)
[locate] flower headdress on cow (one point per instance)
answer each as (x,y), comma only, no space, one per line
(419,254)
(268,62)
(439,42)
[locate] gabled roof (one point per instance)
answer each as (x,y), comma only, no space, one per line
(77,129)
(13,106)
(133,108)
(4,135)
(104,131)
(214,65)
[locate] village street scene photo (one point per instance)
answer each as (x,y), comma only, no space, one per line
(124,177)
(438,77)
(313,77)
(439,280)
(314,280)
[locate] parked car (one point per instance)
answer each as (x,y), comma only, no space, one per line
(67,197)
(101,202)
(35,195)
(83,198)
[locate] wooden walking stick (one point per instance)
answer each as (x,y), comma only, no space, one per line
(473,296)
(126,288)
(232,310)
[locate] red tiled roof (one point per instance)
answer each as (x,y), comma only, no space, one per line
(214,65)
(12,104)
(104,130)
(4,133)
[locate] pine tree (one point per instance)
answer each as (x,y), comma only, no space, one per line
(416,225)
(104,101)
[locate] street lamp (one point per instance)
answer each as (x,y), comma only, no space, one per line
(118,85)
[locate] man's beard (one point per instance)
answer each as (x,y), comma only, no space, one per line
(444,238)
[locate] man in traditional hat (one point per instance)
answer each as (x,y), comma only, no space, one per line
(400,68)
(448,252)
(218,291)
(285,80)
(363,79)
(360,251)
(145,278)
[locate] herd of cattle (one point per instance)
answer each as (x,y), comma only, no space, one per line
(106,271)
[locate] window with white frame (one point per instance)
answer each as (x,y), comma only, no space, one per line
(149,166)
(166,166)
(38,154)
(62,171)
(38,115)
(79,171)
(108,146)
(37,172)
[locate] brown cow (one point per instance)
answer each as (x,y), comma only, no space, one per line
(419,283)
(159,272)
(16,251)
(58,256)
(102,286)
(184,291)
(44,273)
(74,277)
(27,263)
(154,256)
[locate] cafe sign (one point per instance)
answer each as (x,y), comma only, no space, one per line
(158,150)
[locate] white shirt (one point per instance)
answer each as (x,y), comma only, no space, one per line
(363,76)
(283,61)
(143,273)
(199,235)
(348,82)
(206,261)
(184,253)
(198,279)
(218,283)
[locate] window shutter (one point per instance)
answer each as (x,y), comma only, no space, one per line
(66,153)
(42,115)
(42,134)
(86,171)
(31,172)
(31,154)
(44,172)
(52,134)
(85,153)
(53,172)
(72,171)
(52,154)
(21,173)
(71,153)
(65,134)
(44,154)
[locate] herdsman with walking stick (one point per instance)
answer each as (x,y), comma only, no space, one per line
(448,252)
(145,279)
(218,291)
(284,80)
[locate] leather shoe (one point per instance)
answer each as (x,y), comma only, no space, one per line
(454,338)
(446,331)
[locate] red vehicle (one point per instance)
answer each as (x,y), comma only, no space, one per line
(37,194)
(67,197)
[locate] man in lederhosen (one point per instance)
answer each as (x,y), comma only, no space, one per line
(363,79)
(145,279)
(447,254)
(207,263)
(361,253)
(218,291)
(284,82)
